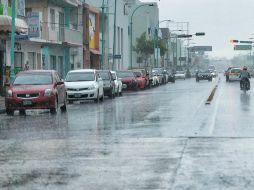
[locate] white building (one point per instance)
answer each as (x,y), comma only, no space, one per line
(145,20)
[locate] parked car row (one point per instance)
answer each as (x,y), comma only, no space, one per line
(43,89)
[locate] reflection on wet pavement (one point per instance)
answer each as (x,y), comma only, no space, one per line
(153,139)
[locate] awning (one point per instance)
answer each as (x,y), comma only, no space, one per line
(95,52)
(5,24)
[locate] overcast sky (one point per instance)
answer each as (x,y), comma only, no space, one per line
(222,20)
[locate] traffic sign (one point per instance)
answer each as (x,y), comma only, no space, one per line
(242,47)
(117,56)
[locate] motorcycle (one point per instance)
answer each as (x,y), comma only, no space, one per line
(245,85)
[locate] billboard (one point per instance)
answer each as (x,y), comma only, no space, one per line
(92,31)
(33,21)
(201,48)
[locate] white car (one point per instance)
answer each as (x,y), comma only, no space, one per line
(155,78)
(234,74)
(84,85)
(118,84)
(180,75)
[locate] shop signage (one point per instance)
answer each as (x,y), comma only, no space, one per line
(33,21)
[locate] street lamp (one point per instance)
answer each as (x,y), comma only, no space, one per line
(151,5)
(103,35)
(13,15)
(157,28)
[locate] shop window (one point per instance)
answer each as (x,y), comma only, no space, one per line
(52,19)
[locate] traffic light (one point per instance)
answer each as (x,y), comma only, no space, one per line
(246,42)
(184,36)
(200,34)
(234,41)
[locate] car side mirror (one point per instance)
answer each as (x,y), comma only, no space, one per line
(59,83)
(7,84)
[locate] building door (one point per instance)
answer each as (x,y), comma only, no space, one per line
(39,66)
(18,61)
(53,62)
(61,26)
(31,60)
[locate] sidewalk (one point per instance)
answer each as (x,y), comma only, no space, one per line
(2,105)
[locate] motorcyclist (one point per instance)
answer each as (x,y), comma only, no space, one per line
(245,75)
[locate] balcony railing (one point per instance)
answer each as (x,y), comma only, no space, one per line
(72,36)
(61,35)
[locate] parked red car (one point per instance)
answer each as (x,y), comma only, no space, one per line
(140,78)
(128,79)
(32,89)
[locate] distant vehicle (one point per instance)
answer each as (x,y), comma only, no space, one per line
(161,75)
(155,78)
(33,89)
(180,75)
(145,74)
(171,77)
(108,83)
(118,84)
(140,79)
(213,71)
(234,74)
(84,85)
(128,79)
(226,73)
(204,75)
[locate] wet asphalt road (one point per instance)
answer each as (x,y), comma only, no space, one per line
(162,138)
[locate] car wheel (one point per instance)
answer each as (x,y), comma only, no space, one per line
(55,109)
(118,93)
(102,98)
(22,112)
(10,112)
(64,107)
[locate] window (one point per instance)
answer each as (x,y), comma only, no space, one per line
(52,19)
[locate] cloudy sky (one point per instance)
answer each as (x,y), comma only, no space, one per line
(222,20)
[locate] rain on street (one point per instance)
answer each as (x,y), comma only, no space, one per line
(161,138)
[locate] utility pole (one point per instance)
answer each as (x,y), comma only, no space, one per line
(114,39)
(103,34)
(13,16)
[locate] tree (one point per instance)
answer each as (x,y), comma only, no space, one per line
(145,47)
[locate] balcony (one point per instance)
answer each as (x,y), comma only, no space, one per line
(71,37)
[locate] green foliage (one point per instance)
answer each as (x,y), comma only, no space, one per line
(145,47)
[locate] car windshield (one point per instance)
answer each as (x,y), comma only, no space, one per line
(113,76)
(137,74)
(104,75)
(33,79)
(160,71)
(123,74)
(80,76)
